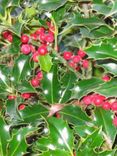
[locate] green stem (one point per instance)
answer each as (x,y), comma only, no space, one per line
(55,33)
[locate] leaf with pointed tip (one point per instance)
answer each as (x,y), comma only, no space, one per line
(4,82)
(32,114)
(60,136)
(4,136)
(104,118)
(57,152)
(45,62)
(68,82)
(108,89)
(90,143)
(25,87)
(22,68)
(14,47)
(103,51)
(84,87)
(74,115)
(50,85)
(17,144)
(11,110)
(110,66)
(50,5)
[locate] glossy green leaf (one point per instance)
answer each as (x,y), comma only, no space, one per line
(109,89)
(14,48)
(17,28)
(36,112)
(60,136)
(11,110)
(110,66)
(102,8)
(45,62)
(83,131)
(103,51)
(90,143)
(50,85)
(4,136)
(68,81)
(22,68)
(17,144)
(4,81)
(74,115)
(104,118)
(77,20)
(57,152)
(50,5)
(25,87)
(85,86)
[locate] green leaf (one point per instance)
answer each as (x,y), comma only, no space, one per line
(57,152)
(17,144)
(104,118)
(4,136)
(84,130)
(14,48)
(68,81)
(74,115)
(50,5)
(17,28)
(60,136)
(110,66)
(90,143)
(22,68)
(50,85)
(25,87)
(101,8)
(11,110)
(36,112)
(77,20)
(45,62)
(4,81)
(108,89)
(85,86)
(103,51)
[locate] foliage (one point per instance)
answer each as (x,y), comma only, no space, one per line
(49,84)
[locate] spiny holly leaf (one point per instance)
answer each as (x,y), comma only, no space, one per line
(85,86)
(78,20)
(103,51)
(17,144)
(74,115)
(50,5)
(22,68)
(110,66)
(83,131)
(25,87)
(45,62)
(14,48)
(57,152)
(108,89)
(68,82)
(50,85)
(4,136)
(4,81)
(11,110)
(60,137)
(32,114)
(90,143)
(104,118)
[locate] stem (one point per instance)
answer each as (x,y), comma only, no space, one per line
(55,33)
